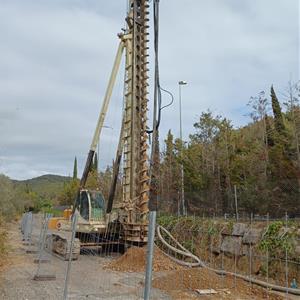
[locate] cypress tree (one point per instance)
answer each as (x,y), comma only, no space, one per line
(269,139)
(169,146)
(75,168)
(278,119)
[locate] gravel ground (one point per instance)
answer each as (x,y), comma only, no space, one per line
(88,279)
(91,279)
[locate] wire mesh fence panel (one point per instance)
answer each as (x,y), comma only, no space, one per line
(242,253)
(109,268)
(34,265)
(26,227)
(70,254)
(45,269)
(22,224)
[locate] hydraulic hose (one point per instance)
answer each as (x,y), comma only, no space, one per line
(199,263)
(183,250)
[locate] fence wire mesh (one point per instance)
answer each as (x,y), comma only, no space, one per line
(261,249)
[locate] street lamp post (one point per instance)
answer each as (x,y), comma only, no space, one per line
(180,84)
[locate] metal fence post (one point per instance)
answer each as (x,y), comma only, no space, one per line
(286,258)
(74,225)
(150,250)
(250,253)
(268,217)
(236,204)
(30,227)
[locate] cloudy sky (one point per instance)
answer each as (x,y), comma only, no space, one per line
(56,57)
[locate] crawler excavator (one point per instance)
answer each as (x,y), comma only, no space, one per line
(127,224)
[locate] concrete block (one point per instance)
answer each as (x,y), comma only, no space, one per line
(231,245)
(245,250)
(44,277)
(239,229)
(42,260)
(252,236)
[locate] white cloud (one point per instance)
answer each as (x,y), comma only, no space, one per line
(56,56)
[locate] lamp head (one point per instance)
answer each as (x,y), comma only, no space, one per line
(182,82)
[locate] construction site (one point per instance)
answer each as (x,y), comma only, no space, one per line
(212,215)
(35,268)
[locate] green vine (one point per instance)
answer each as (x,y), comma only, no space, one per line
(230,226)
(275,242)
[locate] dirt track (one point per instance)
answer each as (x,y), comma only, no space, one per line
(92,278)
(88,278)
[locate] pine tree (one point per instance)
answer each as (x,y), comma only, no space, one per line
(75,168)
(278,119)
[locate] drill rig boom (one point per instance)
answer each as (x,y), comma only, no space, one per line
(133,137)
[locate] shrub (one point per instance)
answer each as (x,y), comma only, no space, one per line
(3,238)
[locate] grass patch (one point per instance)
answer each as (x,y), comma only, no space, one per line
(53,212)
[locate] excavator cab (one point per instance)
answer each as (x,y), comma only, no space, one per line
(91,205)
(97,205)
(91,224)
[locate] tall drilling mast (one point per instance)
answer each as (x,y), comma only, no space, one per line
(136,179)
(133,136)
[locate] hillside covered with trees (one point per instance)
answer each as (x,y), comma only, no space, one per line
(47,191)
(35,194)
(261,160)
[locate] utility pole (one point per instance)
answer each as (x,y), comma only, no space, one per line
(184,212)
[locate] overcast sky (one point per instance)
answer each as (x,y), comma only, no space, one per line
(56,57)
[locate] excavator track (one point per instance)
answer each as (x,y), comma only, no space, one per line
(59,244)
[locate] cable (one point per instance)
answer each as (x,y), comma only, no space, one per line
(159,89)
(183,251)
(172,98)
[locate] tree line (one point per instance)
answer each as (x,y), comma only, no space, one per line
(261,160)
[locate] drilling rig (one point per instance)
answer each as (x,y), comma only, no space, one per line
(136,180)
(130,223)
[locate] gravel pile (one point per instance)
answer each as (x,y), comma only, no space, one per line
(134,260)
(200,278)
